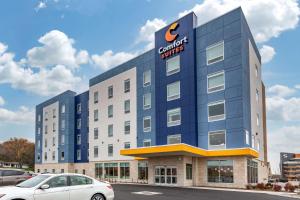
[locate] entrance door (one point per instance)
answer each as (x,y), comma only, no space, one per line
(165,175)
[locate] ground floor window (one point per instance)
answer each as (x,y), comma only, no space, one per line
(165,175)
(220,171)
(111,170)
(125,170)
(143,171)
(99,170)
(252,171)
(189,171)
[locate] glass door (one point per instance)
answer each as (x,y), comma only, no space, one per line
(165,175)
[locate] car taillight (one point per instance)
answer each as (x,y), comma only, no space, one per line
(28,177)
(109,187)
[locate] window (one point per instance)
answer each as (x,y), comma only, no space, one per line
(53,155)
(257,96)
(110,111)
(96,115)
(39,131)
(45,156)
(99,170)
(258,145)
(174,117)
(60,181)
(39,118)
(63,108)
(147,143)
(110,130)
(78,123)
(46,143)
(256,70)
(53,141)
(217,140)
(78,154)
(80,180)
(173,91)
(257,119)
(54,113)
(174,139)
(252,141)
(96,152)
(247,137)
(189,171)
(147,78)
(127,127)
(127,85)
(173,65)
(147,101)
(215,82)
(215,53)
(143,171)
(62,156)
(39,144)
(124,170)
(252,171)
(62,139)
(111,170)
(147,124)
(78,139)
(110,92)
(96,133)
(127,106)
(54,127)
(96,97)
(220,171)
(63,124)
(62,171)
(110,150)
(216,111)
(127,145)
(53,171)
(79,108)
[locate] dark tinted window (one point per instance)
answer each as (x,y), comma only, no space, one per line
(12,173)
(80,180)
(60,181)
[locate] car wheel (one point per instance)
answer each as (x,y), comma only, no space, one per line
(98,197)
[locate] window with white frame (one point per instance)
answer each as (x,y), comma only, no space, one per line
(174,117)
(110,92)
(46,129)
(78,139)
(215,82)
(256,70)
(127,145)
(147,101)
(63,124)
(127,106)
(258,145)
(147,143)
(78,154)
(96,151)
(110,111)
(62,139)
(147,78)
(54,113)
(215,53)
(39,144)
(173,91)
(110,150)
(96,115)
(173,65)
(53,155)
(217,140)
(78,123)
(127,127)
(39,131)
(257,96)
(147,124)
(127,85)
(96,97)
(96,133)
(54,127)
(110,130)
(174,139)
(63,108)
(39,118)
(53,141)
(257,119)
(247,137)
(62,155)
(46,143)
(216,111)
(252,141)
(79,108)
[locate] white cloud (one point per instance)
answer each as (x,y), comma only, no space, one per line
(281,91)
(22,115)
(146,32)
(267,53)
(2,101)
(110,59)
(3,48)
(285,139)
(40,6)
(267,18)
(297,86)
(57,49)
(43,81)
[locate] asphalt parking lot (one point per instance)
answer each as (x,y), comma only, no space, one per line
(142,192)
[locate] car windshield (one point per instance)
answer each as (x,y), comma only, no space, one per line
(33,181)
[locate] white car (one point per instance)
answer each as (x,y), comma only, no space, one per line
(59,187)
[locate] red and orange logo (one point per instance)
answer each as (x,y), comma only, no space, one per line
(169,36)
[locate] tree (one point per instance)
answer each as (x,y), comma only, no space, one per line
(18,150)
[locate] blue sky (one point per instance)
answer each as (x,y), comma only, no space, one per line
(49,46)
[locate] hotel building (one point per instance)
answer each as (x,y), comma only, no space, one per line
(190,112)
(290,166)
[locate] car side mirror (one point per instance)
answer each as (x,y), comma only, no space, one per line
(45,187)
